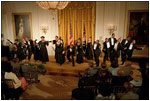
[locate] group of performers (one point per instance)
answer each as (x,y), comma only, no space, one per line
(112,48)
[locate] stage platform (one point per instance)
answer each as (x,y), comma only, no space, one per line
(67,69)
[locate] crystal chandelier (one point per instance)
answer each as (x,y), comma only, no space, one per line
(52,5)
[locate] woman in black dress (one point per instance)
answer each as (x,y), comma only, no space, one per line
(36,51)
(43,50)
(89,50)
(79,52)
(60,53)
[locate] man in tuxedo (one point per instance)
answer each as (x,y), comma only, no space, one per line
(116,50)
(29,45)
(112,41)
(71,52)
(96,49)
(125,43)
(106,49)
(131,48)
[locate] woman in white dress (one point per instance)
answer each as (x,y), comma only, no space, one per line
(21,29)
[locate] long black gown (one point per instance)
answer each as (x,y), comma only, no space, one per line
(36,52)
(89,53)
(43,51)
(60,58)
(80,54)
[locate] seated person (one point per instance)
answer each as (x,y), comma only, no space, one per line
(18,82)
(91,71)
(127,68)
(103,75)
(120,79)
(137,78)
(114,68)
(105,92)
(128,94)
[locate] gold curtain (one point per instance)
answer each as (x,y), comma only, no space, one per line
(80,16)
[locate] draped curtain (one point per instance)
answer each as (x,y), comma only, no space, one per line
(80,16)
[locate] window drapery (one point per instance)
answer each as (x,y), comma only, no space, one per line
(80,16)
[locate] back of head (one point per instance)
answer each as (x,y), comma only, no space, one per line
(128,64)
(103,65)
(114,64)
(7,66)
(128,86)
(4,59)
(91,64)
(120,72)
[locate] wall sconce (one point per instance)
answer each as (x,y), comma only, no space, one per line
(112,28)
(44,29)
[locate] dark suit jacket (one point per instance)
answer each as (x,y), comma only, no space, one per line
(119,47)
(115,40)
(73,51)
(105,47)
(97,51)
(134,47)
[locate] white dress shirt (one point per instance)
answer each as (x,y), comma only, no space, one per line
(12,76)
(112,41)
(126,42)
(95,45)
(70,49)
(116,45)
(131,46)
(108,45)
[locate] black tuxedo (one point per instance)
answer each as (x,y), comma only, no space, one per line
(116,52)
(124,51)
(71,53)
(112,46)
(130,51)
(106,51)
(115,40)
(97,54)
(29,45)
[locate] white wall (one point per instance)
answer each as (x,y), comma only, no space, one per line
(115,13)
(39,17)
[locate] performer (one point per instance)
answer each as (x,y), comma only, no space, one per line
(131,48)
(106,50)
(116,50)
(61,40)
(84,43)
(60,53)
(112,41)
(124,44)
(79,52)
(43,50)
(12,49)
(54,41)
(89,50)
(96,49)
(36,51)
(29,45)
(22,51)
(71,52)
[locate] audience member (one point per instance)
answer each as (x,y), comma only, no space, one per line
(128,94)
(114,68)
(137,78)
(103,75)
(105,92)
